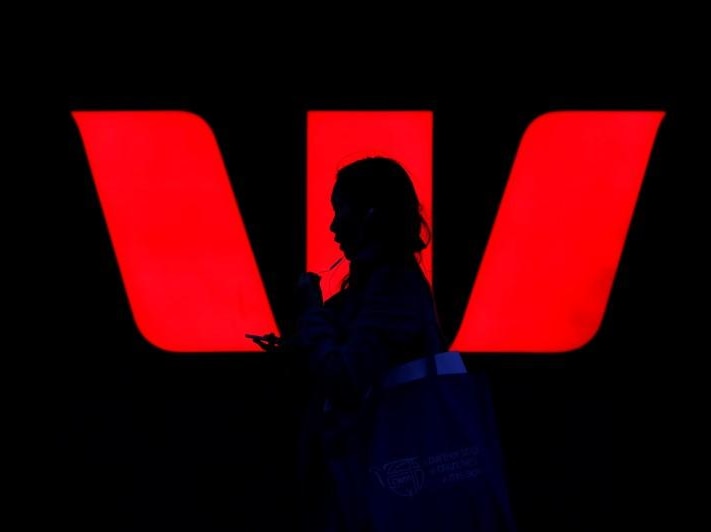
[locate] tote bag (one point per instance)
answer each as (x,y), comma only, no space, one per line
(430,458)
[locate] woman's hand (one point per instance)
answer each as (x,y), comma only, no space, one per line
(308,291)
(268,342)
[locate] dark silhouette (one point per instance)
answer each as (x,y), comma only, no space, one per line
(383,316)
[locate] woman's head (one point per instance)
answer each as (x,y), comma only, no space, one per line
(376,207)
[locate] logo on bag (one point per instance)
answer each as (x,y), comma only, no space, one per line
(403,477)
(406,477)
(453,466)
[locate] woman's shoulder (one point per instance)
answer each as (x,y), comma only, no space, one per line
(396,276)
(398,282)
(402,288)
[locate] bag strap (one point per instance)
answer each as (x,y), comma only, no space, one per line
(445,363)
(440,362)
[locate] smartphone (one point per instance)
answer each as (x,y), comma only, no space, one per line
(270,338)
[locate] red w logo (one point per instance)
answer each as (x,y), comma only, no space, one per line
(192,280)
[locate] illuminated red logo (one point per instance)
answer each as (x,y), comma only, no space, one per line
(193,283)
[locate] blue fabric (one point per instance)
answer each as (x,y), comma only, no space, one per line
(433,457)
(395,439)
(447,363)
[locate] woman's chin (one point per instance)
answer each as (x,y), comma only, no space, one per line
(347,252)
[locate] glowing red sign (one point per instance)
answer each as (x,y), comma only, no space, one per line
(190,274)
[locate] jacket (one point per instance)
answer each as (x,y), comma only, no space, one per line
(384,316)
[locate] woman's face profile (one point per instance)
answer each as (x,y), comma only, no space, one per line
(347,224)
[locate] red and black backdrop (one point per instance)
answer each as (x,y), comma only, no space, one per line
(140,438)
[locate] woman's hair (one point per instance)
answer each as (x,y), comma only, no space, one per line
(383,185)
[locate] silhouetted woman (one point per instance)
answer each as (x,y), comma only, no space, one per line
(383,315)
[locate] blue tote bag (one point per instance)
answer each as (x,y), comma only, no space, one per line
(428,456)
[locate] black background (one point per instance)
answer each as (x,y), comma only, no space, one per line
(134,438)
